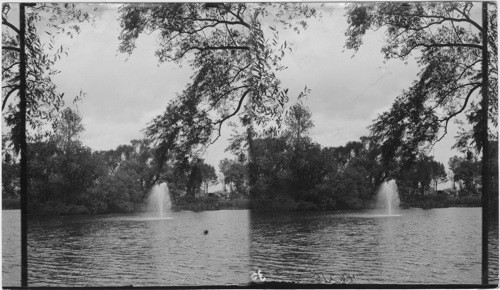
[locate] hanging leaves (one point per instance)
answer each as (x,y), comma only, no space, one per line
(234,66)
(445,39)
(43,100)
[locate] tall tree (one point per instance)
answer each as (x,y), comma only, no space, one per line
(234,64)
(466,171)
(67,128)
(446,39)
(426,171)
(272,167)
(458,56)
(195,178)
(42,52)
(438,174)
(209,176)
(299,123)
(224,165)
(24,67)
(453,163)
(236,175)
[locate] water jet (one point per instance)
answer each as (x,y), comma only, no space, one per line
(159,200)
(387,197)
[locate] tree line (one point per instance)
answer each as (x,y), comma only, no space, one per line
(67,177)
(234,61)
(292,169)
(291,172)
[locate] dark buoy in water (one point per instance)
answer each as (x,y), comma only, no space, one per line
(205,232)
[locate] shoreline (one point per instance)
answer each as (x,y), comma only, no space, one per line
(266,205)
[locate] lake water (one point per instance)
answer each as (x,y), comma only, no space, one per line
(187,248)
(419,246)
(223,247)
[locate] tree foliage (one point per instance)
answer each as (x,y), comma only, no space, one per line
(235,174)
(209,176)
(67,128)
(44,22)
(445,38)
(234,65)
(466,172)
(10,171)
(299,123)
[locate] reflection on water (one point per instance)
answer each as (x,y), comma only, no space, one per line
(419,246)
(217,248)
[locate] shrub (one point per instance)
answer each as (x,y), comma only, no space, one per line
(278,204)
(11,203)
(76,209)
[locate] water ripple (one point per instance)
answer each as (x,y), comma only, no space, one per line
(419,246)
(117,250)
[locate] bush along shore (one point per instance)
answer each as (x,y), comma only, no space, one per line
(213,203)
(286,204)
(257,204)
(439,201)
(210,203)
(11,203)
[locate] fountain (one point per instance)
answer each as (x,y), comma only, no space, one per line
(159,200)
(387,197)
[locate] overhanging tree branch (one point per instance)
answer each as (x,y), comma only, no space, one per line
(10,25)
(438,103)
(225,94)
(11,48)
(241,21)
(10,66)
(465,14)
(431,45)
(239,72)
(235,111)
(466,101)
(228,47)
(221,121)
(435,45)
(205,48)
(8,95)
(218,21)
(444,18)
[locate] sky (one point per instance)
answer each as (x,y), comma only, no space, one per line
(124,93)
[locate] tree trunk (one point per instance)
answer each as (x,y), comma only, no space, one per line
(485,180)
(24,147)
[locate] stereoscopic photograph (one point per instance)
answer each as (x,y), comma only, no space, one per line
(250,144)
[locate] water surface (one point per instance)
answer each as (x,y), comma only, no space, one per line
(185,248)
(413,246)
(418,246)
